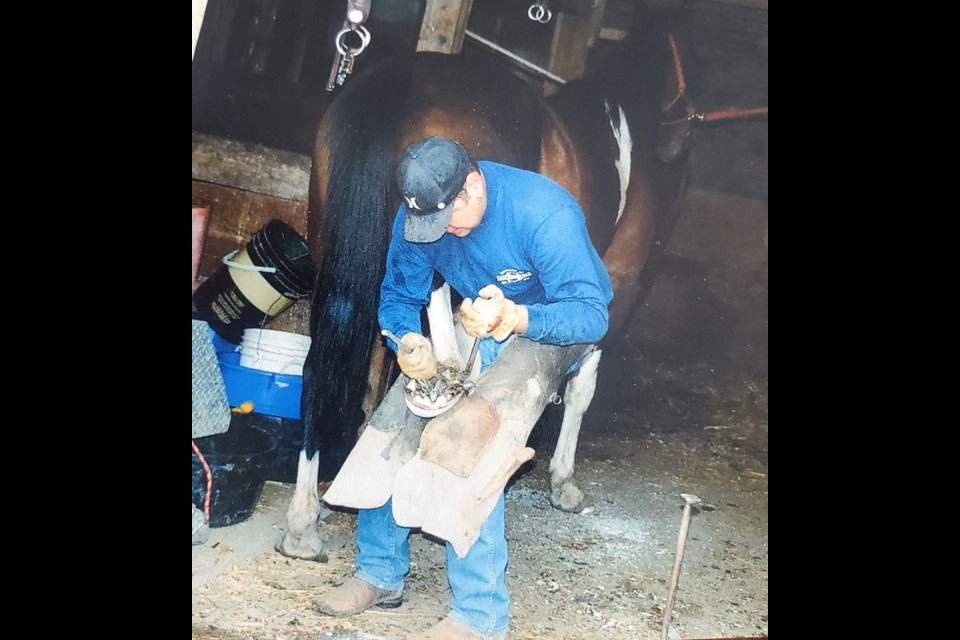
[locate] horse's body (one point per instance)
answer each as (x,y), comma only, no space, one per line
(596,137)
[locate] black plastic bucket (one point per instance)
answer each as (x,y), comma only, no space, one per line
(289,436)
(256,283)
(239,461)
(278,245)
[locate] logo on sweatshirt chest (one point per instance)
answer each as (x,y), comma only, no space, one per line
(510,276)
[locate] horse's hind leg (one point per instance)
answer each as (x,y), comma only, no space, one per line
(303,537)
(566,495)
(442,329)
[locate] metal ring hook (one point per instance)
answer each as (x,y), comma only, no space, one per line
(364,40)
(536,12)
(546,17)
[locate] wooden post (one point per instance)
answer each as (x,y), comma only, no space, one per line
(443,26)
(199,8)
(568,50)
(596,20)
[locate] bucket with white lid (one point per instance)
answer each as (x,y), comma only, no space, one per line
(257,282)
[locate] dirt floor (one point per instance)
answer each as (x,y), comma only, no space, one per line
(664,422)
(681,407)
(656,430)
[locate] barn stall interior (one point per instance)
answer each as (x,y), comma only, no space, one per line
(681,401)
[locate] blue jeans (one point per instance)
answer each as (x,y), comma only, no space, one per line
(478,581)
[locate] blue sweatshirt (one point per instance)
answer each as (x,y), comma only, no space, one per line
(532,243)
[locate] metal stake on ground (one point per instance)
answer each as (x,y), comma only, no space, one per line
(690,501)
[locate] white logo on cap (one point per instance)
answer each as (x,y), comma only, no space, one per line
(412,203)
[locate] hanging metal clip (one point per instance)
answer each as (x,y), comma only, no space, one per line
(361,31)
(357,13)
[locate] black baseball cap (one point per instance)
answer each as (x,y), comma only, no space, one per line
(430,176)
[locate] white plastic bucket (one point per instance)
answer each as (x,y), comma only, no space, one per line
(274,351)
(273,364)
(272,338)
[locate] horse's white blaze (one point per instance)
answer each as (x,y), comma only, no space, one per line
(580,389)
(625,143)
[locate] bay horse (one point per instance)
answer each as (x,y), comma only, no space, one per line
(600,137)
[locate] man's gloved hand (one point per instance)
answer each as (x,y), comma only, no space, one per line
(419,364)
(491,314)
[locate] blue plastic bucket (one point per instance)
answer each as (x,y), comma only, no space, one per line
(226,351)
(272,394)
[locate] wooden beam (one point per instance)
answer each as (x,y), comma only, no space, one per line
(596,20)
(568,51)
(752,4)
(443,26)
(251,167)
(609,33)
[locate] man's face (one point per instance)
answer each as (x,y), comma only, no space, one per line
(468,206)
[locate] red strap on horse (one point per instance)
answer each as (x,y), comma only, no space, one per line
(712,116)
(729,113)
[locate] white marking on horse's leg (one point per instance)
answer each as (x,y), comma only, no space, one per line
(625,142)
(581,387)
(440,316)
(303,538)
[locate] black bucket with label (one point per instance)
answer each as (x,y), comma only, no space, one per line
(256,283)
(240,460)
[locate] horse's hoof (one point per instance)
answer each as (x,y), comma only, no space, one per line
(571,499)
(300,551)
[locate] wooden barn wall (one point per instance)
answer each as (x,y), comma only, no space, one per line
(260,67)
(246,186)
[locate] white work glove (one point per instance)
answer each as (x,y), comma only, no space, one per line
(490,315)
(419,364)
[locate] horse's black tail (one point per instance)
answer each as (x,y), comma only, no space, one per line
(357,134)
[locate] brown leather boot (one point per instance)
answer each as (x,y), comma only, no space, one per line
(354,596)
(447,629)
